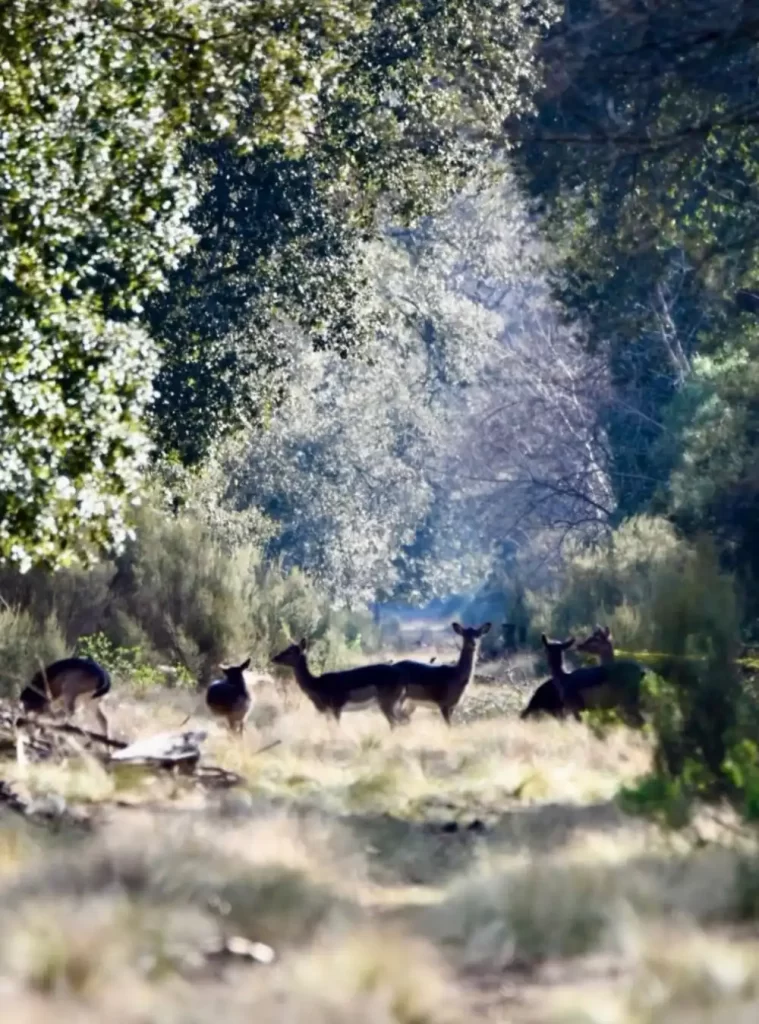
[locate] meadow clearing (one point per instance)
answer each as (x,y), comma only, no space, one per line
(424,876)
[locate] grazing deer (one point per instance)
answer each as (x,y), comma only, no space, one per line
(614,684)
(442,686)
(348,690)
(229,698)
(551,697)
(68,680)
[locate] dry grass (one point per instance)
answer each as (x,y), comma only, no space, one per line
(424,876)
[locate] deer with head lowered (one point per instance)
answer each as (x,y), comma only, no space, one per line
(351,689)
(68,680)
(441,686)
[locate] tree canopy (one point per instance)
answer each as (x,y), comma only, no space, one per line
(643,156)
(115,119)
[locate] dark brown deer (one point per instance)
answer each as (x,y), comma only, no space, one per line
(441,686)
(351,689)
(615,684)
(68,680)
(228,698)
(610,685)
(551,698)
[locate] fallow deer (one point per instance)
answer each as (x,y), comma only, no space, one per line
(610,685)
(551,697)
(228,698)
(68,680)
(442,686)
(615,684)
(351,689)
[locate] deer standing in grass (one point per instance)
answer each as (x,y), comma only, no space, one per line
(441,686)
(228,698)
(348,690)
(68,680)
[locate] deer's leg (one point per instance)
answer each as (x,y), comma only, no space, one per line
(102,720)
(391,705)
(446,712)
(69,703)
(633,717)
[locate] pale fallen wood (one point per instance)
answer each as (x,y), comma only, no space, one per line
(165,748)
(238,947)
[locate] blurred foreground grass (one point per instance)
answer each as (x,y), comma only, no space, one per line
(426,876)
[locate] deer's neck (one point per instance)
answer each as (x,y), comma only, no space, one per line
(238,682)
(607,656)
(557,668)
(465,666)
(303,674)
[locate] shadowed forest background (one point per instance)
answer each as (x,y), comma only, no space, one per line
(342,319)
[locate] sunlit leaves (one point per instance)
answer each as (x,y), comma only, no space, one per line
(97,103)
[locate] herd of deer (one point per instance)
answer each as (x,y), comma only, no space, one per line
(397,688)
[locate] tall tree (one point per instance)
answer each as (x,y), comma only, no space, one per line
(402,128)
(97,104)
(645,153)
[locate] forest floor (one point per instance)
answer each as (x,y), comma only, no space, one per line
(483,873)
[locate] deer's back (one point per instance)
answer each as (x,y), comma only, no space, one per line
(422,680)
(363,677)
(545,700)
(617,676)
(71,676)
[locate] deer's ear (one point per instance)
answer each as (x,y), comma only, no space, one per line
(607,632)
(457,628)
(544,639)
(485,628)
(245,664)
(569,643)
(303,644)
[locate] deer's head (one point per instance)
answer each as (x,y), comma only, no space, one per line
(599,642)
(555,651)
(470,634)
(234,673)
(291,655)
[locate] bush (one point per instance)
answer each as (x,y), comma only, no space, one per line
(617,580)
(178,595)
(25,646)
(662,593)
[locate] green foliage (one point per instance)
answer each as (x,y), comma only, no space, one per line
(99,102)
(714,483)
(128,664)
(114,121)
(664,799)
(26,645)
(641,189)
(616,581)
(742,769)
(673,598)
(176,604)
(408,118)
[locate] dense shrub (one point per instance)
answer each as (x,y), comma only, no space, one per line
(25,644)
(668,599)
(179,594)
